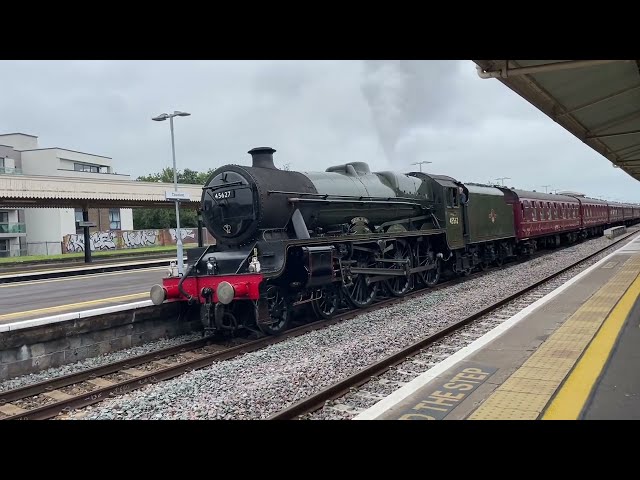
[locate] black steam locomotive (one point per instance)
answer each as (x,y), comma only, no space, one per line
(286,239)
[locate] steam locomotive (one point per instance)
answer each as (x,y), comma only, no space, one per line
(343,236)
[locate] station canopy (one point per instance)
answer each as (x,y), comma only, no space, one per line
(598,101)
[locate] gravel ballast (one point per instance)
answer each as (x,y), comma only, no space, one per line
(259,384)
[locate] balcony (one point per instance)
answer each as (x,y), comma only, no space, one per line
(12,229)
(10,171)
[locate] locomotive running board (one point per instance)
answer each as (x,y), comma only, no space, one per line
(390,272)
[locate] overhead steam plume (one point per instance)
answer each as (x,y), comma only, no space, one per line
(383,88)
(405,95)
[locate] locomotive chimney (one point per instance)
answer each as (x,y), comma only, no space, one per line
(262,157)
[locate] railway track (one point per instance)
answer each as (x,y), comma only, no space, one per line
(342,395)
(58,396)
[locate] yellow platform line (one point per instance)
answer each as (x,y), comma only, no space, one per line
(574,393)
(527,392)
(71,306)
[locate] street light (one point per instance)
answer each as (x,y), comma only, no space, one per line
(545,188)
(503,179)
(162,118)
(420,163)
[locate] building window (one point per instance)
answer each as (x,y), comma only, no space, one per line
(82,167)
(4,217)
(114,218)
(1,162)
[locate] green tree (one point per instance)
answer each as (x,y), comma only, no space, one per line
(152,218)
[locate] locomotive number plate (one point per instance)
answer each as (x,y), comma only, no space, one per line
(225,194)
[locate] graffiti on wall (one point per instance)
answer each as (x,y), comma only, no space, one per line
(98,241)
(116,240)
(140,238)
(184,233)
(74,243)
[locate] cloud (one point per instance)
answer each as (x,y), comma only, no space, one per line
(314,113)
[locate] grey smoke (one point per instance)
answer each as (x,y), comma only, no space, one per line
(407,97)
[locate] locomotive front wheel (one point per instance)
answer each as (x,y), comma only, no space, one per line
(326,306)
(279,311)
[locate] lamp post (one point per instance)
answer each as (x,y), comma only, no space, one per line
(545,188)
(502,179)
(420,163)
(162,118)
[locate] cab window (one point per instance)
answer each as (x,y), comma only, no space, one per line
(452,197)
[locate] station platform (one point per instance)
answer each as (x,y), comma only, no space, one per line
(573,354)
(74,269)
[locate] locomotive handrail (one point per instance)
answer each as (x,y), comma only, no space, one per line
(327,195)
(227,185)
(353,200)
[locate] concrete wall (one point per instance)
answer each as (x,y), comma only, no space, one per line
(126,239)
(40,162)
(43,224)
(34,349)
(19,141)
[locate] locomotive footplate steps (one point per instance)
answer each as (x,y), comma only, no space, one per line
(571,355)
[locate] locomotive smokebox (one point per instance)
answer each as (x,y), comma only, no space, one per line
(262,157)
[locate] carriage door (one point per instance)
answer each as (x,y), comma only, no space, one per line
(454,218)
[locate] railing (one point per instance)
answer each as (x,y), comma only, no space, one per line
(10,171)
(12,227)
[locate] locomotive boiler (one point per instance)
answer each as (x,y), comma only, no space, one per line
(242,204)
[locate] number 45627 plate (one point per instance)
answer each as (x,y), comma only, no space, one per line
(225,194)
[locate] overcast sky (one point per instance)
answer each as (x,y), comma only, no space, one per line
(314,113)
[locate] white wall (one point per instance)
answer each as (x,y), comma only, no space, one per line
(59,163)
(67,222)
(19,142)
(43,225)
(72,156)
(126,219)
(40,162)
